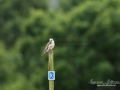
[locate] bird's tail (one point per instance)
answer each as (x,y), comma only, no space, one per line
(43,52)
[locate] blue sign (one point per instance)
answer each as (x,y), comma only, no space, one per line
(51,75)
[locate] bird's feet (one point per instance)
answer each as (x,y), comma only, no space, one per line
(50,50)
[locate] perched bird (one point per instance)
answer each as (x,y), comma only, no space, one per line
(50,45)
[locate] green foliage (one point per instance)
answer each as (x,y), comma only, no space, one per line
(87,43)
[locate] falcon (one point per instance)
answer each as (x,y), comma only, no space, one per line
(50,45)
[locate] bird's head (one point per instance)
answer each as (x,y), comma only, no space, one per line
(50,39)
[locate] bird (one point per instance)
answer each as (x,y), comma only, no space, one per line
(50,45)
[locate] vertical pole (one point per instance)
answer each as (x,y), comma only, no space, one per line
(51,68)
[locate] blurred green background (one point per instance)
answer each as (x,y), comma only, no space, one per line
(87,39)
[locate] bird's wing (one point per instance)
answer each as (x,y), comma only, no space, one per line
(46,48)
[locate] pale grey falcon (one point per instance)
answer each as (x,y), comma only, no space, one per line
(50,45)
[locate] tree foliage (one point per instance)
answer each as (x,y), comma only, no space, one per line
(87,39)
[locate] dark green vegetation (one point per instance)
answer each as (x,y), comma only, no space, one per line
(87,37)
